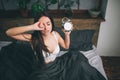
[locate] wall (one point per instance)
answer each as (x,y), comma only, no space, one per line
(109,36)
(13,4)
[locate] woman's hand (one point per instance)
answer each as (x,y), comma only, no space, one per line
(38,26)
(66,32)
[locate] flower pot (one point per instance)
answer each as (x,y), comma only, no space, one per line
(68,13)
(24,13)
(94,13)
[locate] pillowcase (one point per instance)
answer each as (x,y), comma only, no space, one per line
(79,39)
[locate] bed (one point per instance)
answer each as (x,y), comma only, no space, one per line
(18,66)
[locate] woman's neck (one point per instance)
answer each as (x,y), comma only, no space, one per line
(47,36)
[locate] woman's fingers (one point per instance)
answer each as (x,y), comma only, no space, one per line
(38,26)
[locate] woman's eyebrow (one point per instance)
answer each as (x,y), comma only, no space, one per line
(48,21)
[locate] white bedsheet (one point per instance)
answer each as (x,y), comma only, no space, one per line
(4,43)
(95,60)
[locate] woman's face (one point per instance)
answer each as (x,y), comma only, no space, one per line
(45,22)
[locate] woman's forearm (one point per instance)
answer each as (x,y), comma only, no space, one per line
(19,30)
(67,41)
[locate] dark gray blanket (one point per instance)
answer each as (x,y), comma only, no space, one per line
(17,63)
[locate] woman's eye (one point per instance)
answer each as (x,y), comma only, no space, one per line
(48,24)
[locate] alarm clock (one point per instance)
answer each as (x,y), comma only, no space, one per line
(67,24)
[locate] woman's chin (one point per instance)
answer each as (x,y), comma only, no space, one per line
(46,32)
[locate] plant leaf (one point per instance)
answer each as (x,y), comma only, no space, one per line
(53,1)
(61,3)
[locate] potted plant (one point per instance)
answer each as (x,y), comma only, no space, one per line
(67,4)
(68,10)
(41,5)
(94,12)
(23,7)
(36,8)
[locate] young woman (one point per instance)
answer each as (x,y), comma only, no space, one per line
(43,39)
(46,43)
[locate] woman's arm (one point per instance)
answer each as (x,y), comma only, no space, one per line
(66,41)
(19,32)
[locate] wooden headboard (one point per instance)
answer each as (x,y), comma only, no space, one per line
(79,24)
(12,22)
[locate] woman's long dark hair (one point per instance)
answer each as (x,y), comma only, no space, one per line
(37,39)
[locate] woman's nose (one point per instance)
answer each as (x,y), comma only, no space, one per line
(45,27)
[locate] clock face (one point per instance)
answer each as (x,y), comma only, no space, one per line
(68,26)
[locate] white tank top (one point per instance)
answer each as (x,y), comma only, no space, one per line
(48,57)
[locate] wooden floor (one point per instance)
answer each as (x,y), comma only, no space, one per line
(112,67)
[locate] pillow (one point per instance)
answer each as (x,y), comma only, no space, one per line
(80,39)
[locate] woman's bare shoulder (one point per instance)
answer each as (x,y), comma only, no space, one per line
(57,33)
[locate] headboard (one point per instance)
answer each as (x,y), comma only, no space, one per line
(83,24)
(79,24)
(12,22)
